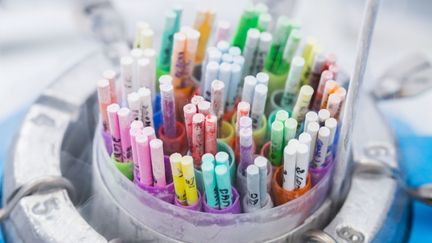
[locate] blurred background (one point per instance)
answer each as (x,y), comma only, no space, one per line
(40,39)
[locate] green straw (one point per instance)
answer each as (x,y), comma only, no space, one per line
(308,55)
(279,67)
(289,51)
(264,22)
(277,140)
(281,116)
(291,86)
(280,37)
(261,8)
(248,20)
(290,127)
(178,12)
(164,60)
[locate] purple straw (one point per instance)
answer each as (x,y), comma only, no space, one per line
(168,110)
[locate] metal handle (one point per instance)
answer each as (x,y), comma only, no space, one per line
(343,163)
(410,76)
(37,186)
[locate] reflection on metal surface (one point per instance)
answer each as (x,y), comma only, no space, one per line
(378,150)
(377,167)
(38,153)
(37,186)
(43,120)
(410,76)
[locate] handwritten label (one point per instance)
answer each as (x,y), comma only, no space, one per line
(224,198)
(255,120)
(215,192)
(128,153)
(167,50)
(190,182)
(319,145)
(46,207)
(299,178)
(179,65)
(117,151)
(146,116)
(253,199)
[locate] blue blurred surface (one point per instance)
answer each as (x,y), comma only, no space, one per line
(416,162)
(8,128)
(416,155)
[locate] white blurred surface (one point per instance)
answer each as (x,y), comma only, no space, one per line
(41,38)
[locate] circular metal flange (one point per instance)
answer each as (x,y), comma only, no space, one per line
(39,149)
(42,137)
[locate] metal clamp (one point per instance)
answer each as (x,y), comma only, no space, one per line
(37,186)
(408,77)
(377,167)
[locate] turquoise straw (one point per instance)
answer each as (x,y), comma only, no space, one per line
(223,182)
(208,157)
(211,190)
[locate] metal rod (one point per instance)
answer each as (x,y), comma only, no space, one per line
(343,161)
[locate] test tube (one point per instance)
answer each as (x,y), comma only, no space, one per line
(143,73)
(249,88)
(265,40)
(134,104)
(249,50)
(198,142)
(114,129)
(290,129)
(178,59)
(190,180)
(258,105)
(302,103)
(217,94)
(277,142)
(158,163)
(210,187)
(236,75)
(211,73)
(225,77)
(302,165)
(312,129)
(126,70)
(261,163)
(211,134)
(168,110)
(144,159)
(104,100)
(292,82)
(253,187)
(178,178)
(323,115)
(146,110)
(246,153)
(322,143)
(290,156)
(223,182)
(124,125)
(189,111)
(204,107)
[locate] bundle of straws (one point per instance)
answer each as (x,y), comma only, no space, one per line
(218,125)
